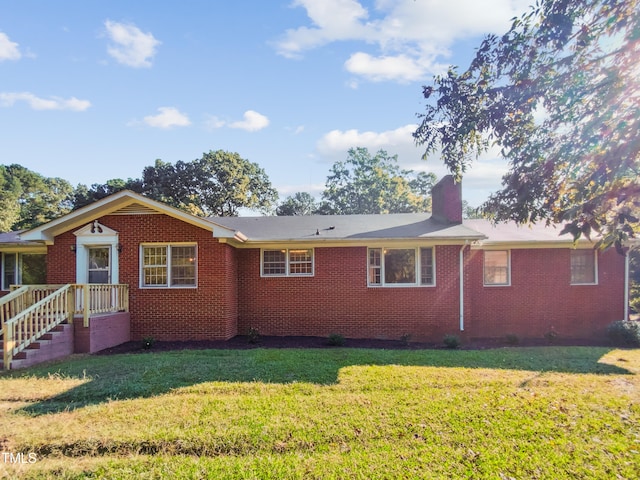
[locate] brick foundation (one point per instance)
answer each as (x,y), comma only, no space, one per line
(104,331)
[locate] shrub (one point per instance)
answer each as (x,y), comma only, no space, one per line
(512,339)
(551,336)
(336,340)
(624,333)
(253,335)
(451,341)
(148,342)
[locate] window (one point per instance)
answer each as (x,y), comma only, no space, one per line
(583,267)
(294,262)
(401,267)
(23,269)
(496,267)
(168,266)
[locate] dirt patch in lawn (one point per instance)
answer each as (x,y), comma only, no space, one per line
(242,342)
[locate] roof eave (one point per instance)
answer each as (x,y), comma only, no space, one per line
(107,205)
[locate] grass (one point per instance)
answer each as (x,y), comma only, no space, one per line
(546,412)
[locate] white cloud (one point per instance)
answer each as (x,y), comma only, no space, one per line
(130,45)
(212,122)
(401,67)
(410,37)
(37,103)
(8,50)
(252,122)
(332,20)
(167,118)
(335,144)
(481,179)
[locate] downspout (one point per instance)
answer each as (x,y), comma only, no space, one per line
(462,285)
(626,285)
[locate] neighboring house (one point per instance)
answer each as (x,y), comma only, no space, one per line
(361,276)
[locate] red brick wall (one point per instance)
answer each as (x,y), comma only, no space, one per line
(206,312)
(541,299)
(232,297)
(337,299)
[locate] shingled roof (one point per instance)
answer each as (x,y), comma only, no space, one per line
(346,227)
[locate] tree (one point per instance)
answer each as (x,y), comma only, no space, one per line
(29,199)
(559,94)
(219,183)
(300,203)
(469,212)
(10,189)
(84,196)
(375,184)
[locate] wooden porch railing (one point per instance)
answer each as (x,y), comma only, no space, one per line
(21,298)
(100,298)
(27,326)
(28,312)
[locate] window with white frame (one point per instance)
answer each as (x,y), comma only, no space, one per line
(401,267)
(168,265)
(291,262)
(583,267)
(23,269)
(497,268)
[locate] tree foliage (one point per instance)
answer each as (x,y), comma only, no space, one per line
(375,184)
(300,203)
(220,183)
(84,195)
(28,199)
(559,93)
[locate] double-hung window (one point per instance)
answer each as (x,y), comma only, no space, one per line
(168,265)
(291,262)
(23,269)
(497,268)
(401,267)
(583,267)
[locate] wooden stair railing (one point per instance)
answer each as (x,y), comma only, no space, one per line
(27,326)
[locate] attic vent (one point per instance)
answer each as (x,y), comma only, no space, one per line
(135,209)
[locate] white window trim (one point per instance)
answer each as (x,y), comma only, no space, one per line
(595,270)
(168,245)
(286,263)
(492,285)
(418,272)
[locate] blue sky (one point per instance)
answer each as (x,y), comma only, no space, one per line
(91,90)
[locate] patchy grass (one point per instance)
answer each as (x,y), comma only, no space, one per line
(553,412)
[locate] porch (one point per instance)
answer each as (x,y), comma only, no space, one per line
(91,317)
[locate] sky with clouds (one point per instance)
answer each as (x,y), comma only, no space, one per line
(91,91)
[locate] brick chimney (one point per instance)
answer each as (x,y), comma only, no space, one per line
(446,201)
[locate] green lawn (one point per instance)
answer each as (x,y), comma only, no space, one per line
(546,412)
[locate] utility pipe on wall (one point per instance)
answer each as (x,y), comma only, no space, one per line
(626,285)
(462,286)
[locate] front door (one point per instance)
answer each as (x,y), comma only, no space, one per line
(99,265)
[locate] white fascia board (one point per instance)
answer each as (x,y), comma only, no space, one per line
(23,248)
(512,245)
(360,242)
(110,204)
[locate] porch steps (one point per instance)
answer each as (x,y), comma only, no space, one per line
(58,343)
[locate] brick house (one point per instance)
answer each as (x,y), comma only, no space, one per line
(362,276)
